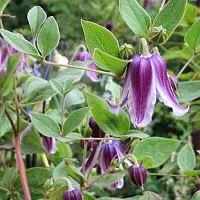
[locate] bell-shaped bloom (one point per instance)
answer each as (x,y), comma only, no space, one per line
(109,151)
(49,144)
(85,56)
(72,194)
(147,79)
(138,175)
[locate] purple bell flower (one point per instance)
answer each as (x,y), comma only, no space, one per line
(147,79)
(147,3)
(50,144)
(85,56)
(138,175)
(109,151)
(72,194)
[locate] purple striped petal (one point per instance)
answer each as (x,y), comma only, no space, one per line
(163,86)
(50,144)
(92,75)
(142,95)
(117,185)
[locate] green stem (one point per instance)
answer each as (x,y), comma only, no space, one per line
(69,184)
(162,5)
(78,67)
(185,66)
(62,114)
(134,159)
(85,145)
(145,47)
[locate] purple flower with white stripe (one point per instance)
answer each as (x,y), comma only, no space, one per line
(72,194)
(109,151)
(85,56)
(50,144)
(147,79)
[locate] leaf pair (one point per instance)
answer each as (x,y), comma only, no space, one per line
(104,47)
(139,20)
(46,32)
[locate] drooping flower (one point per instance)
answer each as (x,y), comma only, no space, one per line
(50,144)
(147,79)
(72,194)
(96,130)
(85,56)
(108,151)
(138,175)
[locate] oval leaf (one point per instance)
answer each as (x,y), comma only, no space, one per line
(97,36)
(135,17)
(115,125)
(20,44)
(12,64)
(159,149)
(171,15)
(57,86)
(36,17)
(192,37)
(189,90)
(48,36)
(196,196)
(45,125)
(110,63)
(74,120)
(186,158)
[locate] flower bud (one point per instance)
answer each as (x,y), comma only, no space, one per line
(58,58)
(126,51)
(96,131)
(138,175)
(158,35)
(72,194)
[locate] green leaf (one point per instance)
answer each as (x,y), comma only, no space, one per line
(74,120)
(12,64)
(45,125)
(97,36)
(36,90)
(108,179)
(136,134)
(186,158)
(196,196)
(150,196)
(192,37)
(192,172)
(48,36)
(110,63)
(31,143)
(115,125)
(159,149)
(189,90)
(171,15)
(74,97)
(3,5)
(5,124)
(57,87)
(20,44)
(135,17)
(7,179)
(36,177)
(36,17)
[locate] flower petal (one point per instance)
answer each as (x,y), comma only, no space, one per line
(165,91)
(92,75)
(142,95)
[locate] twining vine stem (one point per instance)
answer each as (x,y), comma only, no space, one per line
(78,67)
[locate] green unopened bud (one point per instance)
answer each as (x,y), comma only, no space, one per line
(126,51)
(158,35)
